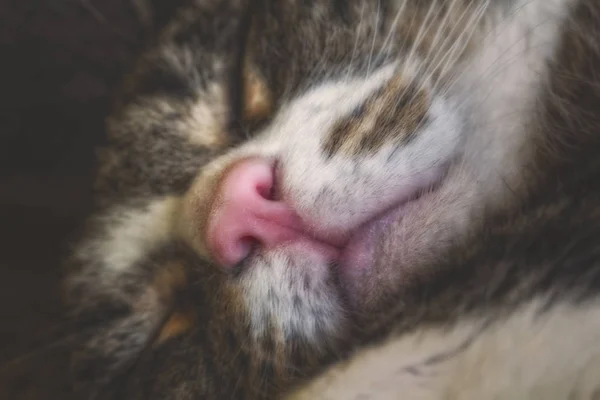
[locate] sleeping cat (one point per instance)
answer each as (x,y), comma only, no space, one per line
(405,190)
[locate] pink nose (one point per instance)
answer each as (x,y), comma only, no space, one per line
(246,214)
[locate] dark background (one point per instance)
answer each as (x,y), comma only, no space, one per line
(59,61)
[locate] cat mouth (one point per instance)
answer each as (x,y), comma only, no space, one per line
(354,255)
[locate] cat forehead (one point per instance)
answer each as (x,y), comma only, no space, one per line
(356,115)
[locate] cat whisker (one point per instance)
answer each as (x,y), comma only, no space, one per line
(375,34)
(471,26)
(320,67)
(452,53)
(434,47)
(388,42)
(503,24)
(425,26)
(423,29)
(357,39)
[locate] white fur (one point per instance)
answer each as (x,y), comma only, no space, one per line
(551,356)
(495,96)
(340,193)
(271,284)
(207,120)
(132,233)
(499,88)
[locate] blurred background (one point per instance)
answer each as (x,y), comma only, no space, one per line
(59,61)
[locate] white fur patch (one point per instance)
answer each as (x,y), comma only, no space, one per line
(552,356)
(206,124)
(499,87)
(133,232)
(279,300)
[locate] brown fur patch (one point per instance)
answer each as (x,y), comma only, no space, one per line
(163,294)
(169,280)
(167,283)
(162,291)
(178,323)
(258,101)
(393,114)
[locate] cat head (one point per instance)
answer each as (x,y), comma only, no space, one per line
(317,180)
(282,169)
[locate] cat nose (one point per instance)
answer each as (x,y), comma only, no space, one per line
(246,214)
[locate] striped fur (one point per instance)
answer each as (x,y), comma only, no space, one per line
(487,106)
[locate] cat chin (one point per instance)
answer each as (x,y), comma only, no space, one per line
(294,291)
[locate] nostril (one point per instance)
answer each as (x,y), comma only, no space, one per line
(269,189)
(265,191)
(275,193)
(249,242)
